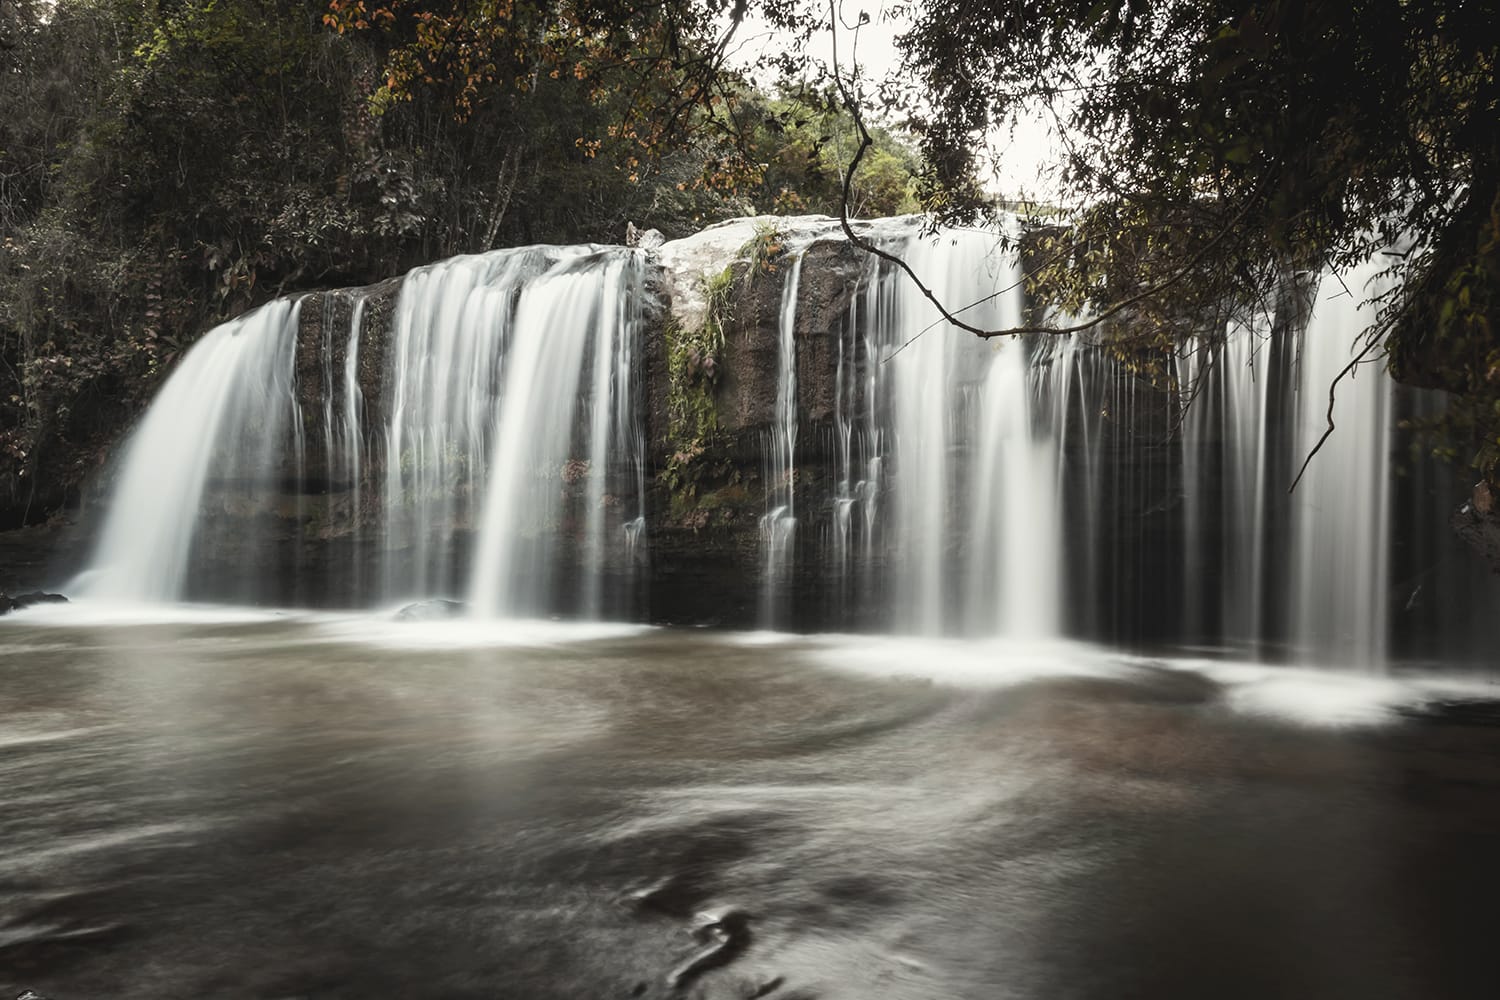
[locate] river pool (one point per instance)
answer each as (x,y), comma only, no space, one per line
(212,803)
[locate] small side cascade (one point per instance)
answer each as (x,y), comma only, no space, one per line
(858,444)
(348,452)
(227,414)
(778,525)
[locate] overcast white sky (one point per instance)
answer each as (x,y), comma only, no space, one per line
(874,49)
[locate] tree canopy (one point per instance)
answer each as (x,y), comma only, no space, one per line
(1206,149)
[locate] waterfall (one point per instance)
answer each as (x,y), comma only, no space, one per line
(1300,573)
(478,430)
(448,346)
(350,444)
(221,416)
(1227,463)
(1016,569)
(496,427)
(504,452)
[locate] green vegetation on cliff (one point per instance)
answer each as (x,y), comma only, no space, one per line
(699,477)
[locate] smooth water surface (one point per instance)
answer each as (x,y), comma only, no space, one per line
(281,806)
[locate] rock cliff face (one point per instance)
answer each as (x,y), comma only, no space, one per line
(704,527)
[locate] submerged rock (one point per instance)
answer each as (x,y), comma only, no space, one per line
(9,604)
(433,610)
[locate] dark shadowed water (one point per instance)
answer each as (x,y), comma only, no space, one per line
(317,807)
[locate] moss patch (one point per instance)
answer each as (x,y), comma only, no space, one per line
(697,468)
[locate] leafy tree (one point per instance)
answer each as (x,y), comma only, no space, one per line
(801,142)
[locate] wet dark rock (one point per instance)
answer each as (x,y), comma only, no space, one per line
(1457,712)
(726,935)
(434,610)
(9,604)
(768,987)
(1478,524)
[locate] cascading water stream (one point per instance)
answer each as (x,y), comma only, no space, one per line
(351,442)
(1303,573)
(1226,459)
(563,318)
(778,525)
(1016,558)
(448,347)
(952,430)
(510,389)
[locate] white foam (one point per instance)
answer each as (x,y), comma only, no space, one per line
(86,612)
(463,633)
(1318,697)
(979,663)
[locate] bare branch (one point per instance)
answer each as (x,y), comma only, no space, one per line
(1332,389)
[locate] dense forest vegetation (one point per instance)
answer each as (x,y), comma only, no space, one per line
(165,164)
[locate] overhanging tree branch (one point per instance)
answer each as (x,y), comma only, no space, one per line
(866,141)
(1332,390)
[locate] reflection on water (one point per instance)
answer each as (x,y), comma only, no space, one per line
(281,806)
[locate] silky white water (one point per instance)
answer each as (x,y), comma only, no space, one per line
(952,433)
(1341,507)
(566,321)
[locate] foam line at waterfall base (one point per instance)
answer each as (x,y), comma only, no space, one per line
(87,611)
(383,627)
(387,630)
(1301,696)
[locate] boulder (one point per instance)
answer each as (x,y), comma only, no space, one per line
(9,604)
